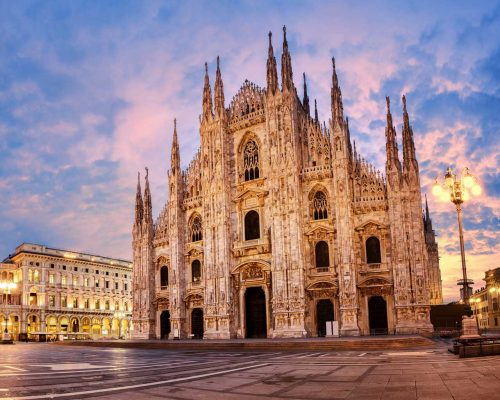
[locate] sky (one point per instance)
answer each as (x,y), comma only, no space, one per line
(89,91)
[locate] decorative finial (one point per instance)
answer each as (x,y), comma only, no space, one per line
(147,170)
(404,103)
(333,62)
(388,101)
(138,177)
(217,62)
(206,67)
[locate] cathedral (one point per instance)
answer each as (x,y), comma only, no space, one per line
(278,226)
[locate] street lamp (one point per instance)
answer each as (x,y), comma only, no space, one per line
(456,189)
(6,287)
(119,315)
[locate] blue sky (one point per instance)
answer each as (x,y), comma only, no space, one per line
(89,91)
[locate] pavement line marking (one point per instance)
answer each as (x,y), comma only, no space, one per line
(110,367)
(361,355)
(14,368)
(139,385)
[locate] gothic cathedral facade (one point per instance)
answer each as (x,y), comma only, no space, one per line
(278,226)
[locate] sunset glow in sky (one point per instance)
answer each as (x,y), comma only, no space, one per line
(89,91)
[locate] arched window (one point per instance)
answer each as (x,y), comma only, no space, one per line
(125,306)
(251,161)
(97,304)
(30,275)
(164,276)
(322,255)
(196,271)
(106,305)
(117,305)
(320,206)
(252,225)
(195,229)
(373,251)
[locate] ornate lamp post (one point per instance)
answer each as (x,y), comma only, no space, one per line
(119,315)
(456,189)
(6,287)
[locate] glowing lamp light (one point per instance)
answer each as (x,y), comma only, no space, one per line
(476,190)
(468,180)
(493,290)
(437,189)
(465,196)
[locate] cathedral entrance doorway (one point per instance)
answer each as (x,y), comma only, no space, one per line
(324,312)
(255,312)
(164,324)
(377,312)
(197,323)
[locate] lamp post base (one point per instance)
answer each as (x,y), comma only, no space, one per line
(469,328)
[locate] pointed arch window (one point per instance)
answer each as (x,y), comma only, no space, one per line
(252,225)
(251,161)
(322,256)
(195,230)
(373,255)
(320,206)
(164,276)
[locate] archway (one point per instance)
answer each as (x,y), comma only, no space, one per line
(51,325)
(377,312)
(164,325)
(106,327)
(115,328)
(197,323)
(96,327)
(63,324)
(324,312)
(75,325)
(86,325)
(255,312)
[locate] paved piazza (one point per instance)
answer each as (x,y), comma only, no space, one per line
(48,371)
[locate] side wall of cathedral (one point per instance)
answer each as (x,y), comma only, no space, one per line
(278,226)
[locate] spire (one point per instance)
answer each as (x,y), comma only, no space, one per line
(286,65)
(391,145)
(337,106)
(272,73)
(427,215)
(305,101)
(175,159)
(316,119)
(148,209)
(409,157)
(138,201)
(219,92)
(207,97)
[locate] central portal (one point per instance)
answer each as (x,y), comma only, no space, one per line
(377,311)
(255,311)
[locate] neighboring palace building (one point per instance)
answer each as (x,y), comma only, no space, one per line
(278,225)
(485,302)
(66,292)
